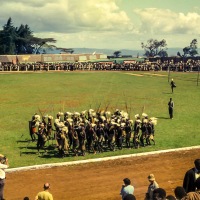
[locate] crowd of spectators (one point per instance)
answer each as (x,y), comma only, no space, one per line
(190,190)
(182,66)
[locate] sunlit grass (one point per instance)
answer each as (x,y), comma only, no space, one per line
(24,94)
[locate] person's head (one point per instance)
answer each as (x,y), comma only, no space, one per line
(129,197)
(170,197)
(2,159)
(159,194)
(197,164)
(151,178)
(46,186)
(127,181)
(26,198)
(170,99)
(179,192)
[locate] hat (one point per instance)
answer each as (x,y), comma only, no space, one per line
(145,121)
(144,115)
(137,116)
(50,117)
(151,177)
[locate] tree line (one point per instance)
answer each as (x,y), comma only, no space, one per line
(20,40)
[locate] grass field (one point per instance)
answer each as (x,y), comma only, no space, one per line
(23,94)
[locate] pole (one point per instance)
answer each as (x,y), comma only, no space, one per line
(198,76)
(168,73)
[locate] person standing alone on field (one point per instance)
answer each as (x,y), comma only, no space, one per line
(171,108)
(173,85)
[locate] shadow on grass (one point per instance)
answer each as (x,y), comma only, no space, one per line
(163,117)
(23,141)
(167,92)
(28,153)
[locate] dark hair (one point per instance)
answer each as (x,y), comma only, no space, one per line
(3,160)
(170,197)
(46,186)
(26,198)
(127,181)
(179,192)
(160,193)
(129,197)
(197,163)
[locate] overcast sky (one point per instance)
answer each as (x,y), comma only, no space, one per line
(110,24)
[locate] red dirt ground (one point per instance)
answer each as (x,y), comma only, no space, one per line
(103,180)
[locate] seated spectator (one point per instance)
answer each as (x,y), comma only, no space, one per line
(159,194)
(170,197)
(129,197)
(194,195)
(127,188)
(179,192)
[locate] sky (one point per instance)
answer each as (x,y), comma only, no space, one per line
(107,24)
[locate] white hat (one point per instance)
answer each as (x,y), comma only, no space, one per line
(144,115)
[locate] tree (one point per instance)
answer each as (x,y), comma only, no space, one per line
(36,43)
(7,38)
(66,50)
(192,49)
(155,47)
(20,40)
(24,34)
(117,53)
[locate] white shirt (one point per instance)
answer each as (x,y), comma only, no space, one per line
(129,189)
(197,175)
(2,172)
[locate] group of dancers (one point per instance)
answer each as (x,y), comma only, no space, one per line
(92,131)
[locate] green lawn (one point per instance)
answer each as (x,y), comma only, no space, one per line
(23,94)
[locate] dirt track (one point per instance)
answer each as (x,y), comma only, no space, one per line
(102,180)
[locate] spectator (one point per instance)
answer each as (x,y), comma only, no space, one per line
(191,176)
(159,194)
(129,197)
(152,186)
(171,108)
(44,195)
(127,188)
(26,198)
(194,195)
(170,197)
(179,193)
(173,85)
(3,165)
(197,183)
